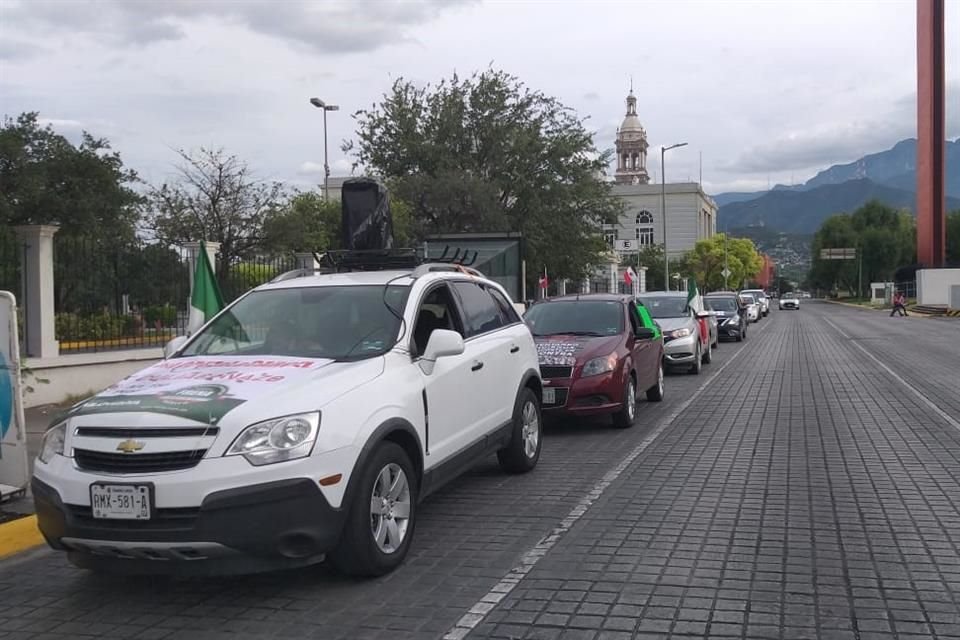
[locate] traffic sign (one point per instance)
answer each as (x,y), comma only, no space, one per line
(838,254)
(726,273)
(626,245)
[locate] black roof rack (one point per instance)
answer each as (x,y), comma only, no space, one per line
(387,260)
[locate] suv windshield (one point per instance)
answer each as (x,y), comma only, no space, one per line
(576,317)
(340,323)
(666,306)
(729,305)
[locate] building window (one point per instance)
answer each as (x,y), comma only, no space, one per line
(644,217)
(645,236)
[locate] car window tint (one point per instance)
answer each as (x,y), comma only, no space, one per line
(481,312)
(510,315)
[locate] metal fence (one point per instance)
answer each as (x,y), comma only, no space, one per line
(111,295)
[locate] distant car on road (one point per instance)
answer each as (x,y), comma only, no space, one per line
(685,345)
(762,300)
(752,305)
(790,301)
(731,315)
(596,355)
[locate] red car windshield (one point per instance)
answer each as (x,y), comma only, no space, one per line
(576,317)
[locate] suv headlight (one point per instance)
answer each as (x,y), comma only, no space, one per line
(599,365)
(733,320)
(679,333)
(277,440)
(52,444)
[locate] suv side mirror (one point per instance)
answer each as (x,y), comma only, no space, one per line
(173,346)
(442,343)
(643,333)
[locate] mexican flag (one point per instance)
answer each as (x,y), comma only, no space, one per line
(694,300)
(206,301)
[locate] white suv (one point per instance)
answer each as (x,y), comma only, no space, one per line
(305,421)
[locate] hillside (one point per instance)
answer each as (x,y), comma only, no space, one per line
(803,211)
(894,168)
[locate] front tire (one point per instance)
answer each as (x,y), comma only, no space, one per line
(380,523)
(523,452)
(625,418)
(708,356)
(697,365)
(655,393)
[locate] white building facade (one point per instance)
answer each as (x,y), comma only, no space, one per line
(691,215)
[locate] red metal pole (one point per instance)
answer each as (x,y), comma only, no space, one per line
(931,130)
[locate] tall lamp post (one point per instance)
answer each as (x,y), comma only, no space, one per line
(320,104)
(663,212)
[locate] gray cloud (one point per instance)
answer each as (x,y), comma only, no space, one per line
(833,142)
(321,26)
(12,49)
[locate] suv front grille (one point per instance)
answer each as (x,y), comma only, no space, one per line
(136,462)
(549,372)
(169,518)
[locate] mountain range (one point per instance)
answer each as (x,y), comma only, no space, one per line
(888,176)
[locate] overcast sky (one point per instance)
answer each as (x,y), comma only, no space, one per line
(767,91)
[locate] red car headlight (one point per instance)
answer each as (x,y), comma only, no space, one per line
(597,366)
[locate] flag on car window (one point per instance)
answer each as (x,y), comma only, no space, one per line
(629,276)
(694,300)
(544,281)
(205,301)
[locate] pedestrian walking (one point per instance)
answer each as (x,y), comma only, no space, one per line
(899,304)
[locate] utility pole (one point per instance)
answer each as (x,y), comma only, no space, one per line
(320,104)
(663,212)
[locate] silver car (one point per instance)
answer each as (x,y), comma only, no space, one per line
(684,345)
(753,306)
(762,300)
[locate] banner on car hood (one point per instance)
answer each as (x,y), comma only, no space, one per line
(202,388)
(558,353)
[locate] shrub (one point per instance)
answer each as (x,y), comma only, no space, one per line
(165,314)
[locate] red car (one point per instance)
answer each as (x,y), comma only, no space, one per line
(595,356)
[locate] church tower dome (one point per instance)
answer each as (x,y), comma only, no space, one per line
(631,147)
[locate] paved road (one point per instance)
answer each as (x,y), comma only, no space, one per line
(808,485)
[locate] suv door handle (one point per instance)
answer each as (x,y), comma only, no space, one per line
(514,349)
(477,365)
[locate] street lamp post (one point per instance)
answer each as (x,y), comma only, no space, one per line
(320,104)
(663,212)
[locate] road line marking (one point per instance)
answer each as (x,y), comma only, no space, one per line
(19,535)
(927,401)
(479,611)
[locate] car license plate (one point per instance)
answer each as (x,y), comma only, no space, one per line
(120,501)
(549,396)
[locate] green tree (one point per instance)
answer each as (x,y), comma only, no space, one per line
(885,239)
(489,154)
(706,261)
(216,197)
(953,238)
(44,179)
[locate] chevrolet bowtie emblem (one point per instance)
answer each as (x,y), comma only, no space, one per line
(130,446)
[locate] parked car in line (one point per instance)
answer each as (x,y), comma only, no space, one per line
(790,301)
(730,313)
(685,345)
(753,307)
(762,300)
(596,356)
(294,426)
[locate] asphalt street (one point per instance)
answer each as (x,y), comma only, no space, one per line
(806,485)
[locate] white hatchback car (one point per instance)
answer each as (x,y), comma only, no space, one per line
(305,421)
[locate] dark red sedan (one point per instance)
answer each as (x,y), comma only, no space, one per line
(595,356)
